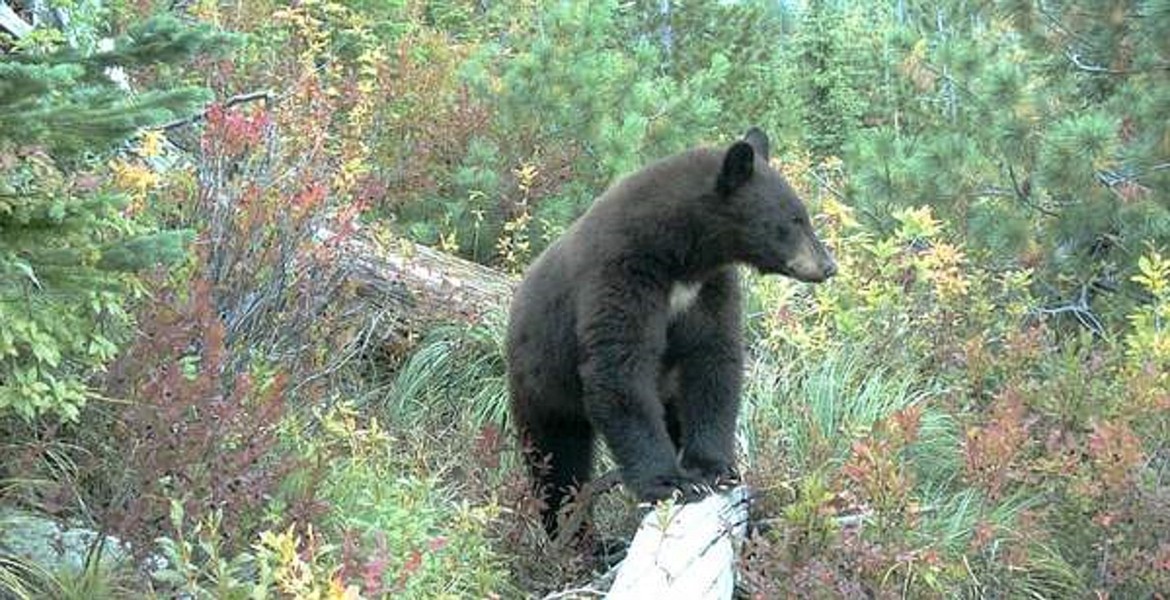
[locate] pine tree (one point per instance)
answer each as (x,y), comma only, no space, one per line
(827,79)
(1043,128)
(748,36)
(68,247)
(570,80)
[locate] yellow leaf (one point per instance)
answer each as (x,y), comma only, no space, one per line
(151,143)
(338,592)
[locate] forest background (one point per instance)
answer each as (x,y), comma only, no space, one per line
(977,406)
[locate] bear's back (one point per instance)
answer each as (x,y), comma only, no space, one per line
(659,190)
(638,214)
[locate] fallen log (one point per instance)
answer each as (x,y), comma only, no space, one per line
(12,23)
(415,286)
(684,552)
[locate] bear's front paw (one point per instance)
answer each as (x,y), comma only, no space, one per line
(680,486)
(719,474)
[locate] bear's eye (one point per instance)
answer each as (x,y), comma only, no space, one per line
(797,220)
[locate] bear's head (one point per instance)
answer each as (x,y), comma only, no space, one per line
(771,226)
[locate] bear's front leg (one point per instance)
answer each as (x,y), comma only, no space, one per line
(705,348)
(622,335)
(630,420)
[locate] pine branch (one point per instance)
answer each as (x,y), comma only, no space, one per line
(1024,194)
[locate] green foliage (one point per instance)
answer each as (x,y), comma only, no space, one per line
(68,243)
(395,532)
(602,106)
(97,579)
(816,411)
(825,77)
(64,102)
(1052,121)
(1030,446)
(975,406)
(438,542)
(198,569)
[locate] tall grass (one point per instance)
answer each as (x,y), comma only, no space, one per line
(456,374)
(96,579)
(812,411)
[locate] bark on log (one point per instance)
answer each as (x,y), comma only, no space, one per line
(416,286)
(12,23)
(684,552)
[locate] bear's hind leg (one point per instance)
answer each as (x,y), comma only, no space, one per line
(561,461)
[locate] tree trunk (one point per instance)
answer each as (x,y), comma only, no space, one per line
(12,23)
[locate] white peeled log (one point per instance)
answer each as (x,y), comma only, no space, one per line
(12,23)
(685,552)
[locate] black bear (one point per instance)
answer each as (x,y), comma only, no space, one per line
(628,325)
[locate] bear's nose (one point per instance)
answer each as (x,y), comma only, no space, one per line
(831,268)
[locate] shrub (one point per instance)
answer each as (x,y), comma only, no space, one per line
(192,432)
(392,530)
(68,245)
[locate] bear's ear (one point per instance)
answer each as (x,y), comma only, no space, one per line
(759,141)
(737,168)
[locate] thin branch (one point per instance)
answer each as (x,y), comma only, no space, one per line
(1075,58)
(1025,195)
(825,185)
(265,95)
(1080,310)
(581,506)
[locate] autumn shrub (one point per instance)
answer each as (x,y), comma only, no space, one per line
(1030,463)
(393,530)
(249,329)
(210,380)
(193,431)
(863,467)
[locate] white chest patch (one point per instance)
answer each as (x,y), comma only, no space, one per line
(682,296)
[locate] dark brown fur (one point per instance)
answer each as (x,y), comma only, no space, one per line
(594,345)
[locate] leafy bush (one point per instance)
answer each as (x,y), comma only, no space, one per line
(68,244)
(192,432)
(391,530)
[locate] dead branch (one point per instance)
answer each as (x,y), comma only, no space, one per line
(581,506)
(265,95)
